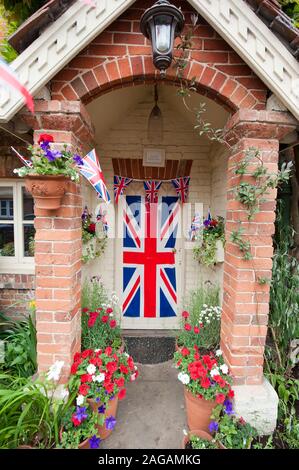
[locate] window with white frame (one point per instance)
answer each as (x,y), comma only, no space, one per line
(16,224)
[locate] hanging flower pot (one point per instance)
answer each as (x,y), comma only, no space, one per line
(47,190)
(198,411)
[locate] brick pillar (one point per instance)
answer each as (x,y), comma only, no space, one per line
(58,247)
(246,301)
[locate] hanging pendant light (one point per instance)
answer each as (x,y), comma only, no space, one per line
(155,122)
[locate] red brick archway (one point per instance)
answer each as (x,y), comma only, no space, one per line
(121,56)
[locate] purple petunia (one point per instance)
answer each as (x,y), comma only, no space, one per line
(78,160)
(207,223)
(51,155)
(81,414)
(102,409)
(228,407)
(94,442)
(213,426)
(110,423)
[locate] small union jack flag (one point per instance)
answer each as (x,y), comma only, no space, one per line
(181,185)
(195,226)
(151,190)
(120,184)
(23,160)
(92,171)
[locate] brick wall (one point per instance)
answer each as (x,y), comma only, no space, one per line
(121,54)
(15,292)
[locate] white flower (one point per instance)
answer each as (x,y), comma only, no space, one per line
(100,378)
(80,400)
(91,369)
(97,350)
(205,306)
(55,371)
(218,352)
(184,378)
(208,321)
(64,393)
(185,432)
(110,314)
(133,377)
(224,368)
(214,372)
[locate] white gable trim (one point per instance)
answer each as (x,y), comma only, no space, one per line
(79,25)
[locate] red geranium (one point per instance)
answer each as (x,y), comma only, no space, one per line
(185,314)
(122,394)
(185,351)
(111,367)
(123,369)
(45,138)
(105,318)
(188,327)
(109,310)
(196,330)
(74,367)
(113,324)
(77,357)
(86,353)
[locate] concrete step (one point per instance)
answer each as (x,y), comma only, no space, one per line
(150,346)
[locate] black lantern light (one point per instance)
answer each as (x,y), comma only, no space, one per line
(161,24)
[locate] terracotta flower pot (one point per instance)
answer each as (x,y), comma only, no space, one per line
(196,432)
(47,190)
(198,411)
(111,410)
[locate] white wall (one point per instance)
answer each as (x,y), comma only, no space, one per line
(127,139)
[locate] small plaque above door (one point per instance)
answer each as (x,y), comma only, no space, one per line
(154,157)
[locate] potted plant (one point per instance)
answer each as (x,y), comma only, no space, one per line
(198,439)
(232,432)
(210,241)
(94,238)
(101,327)
(79,429)
(207,384)
(98,377)
(49,172)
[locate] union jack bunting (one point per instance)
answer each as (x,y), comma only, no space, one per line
(120,184)
(181,185)
(195,226)
(23,160)
(10,79)
(92,171)
(149,272)
(102,217)
(151,190)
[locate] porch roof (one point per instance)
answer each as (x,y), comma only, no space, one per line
(69,33)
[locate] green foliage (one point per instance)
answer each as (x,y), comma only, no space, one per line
(8,249)
(93,294)
(284,296)
(29,413)
(199,443)
(206,247)
(234,433)
(21,10)
(291,8)
(73,436)
(6,50)
(20,346)
(202,305)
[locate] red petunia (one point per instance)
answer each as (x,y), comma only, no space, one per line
(83,389)
(74,368)
(105,318)
(108,351)
(109,310)
(77,357)
(86,353)
(231,394)
(92,228)
(208,362)
(109,387)
(188,327)
(196,330)
(196,357)
(123,369)
(131,363)
(45,138)
(185,314)
(85,310)
(179,363)
(112,324)
(111,367)
(220,398)
(76,421)
(86,378)
(122,394)
(185,351)
(120,382)
(205,382)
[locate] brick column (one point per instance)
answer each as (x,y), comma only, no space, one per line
(58,247)
(246,301)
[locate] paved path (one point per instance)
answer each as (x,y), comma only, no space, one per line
(152,416)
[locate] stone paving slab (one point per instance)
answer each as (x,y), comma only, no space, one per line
(152,416)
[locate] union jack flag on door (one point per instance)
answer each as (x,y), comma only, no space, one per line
(149,271)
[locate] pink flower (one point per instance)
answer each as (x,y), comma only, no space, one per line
(196,330)
(185,314)
(188,327)
(112,324)
(220,398)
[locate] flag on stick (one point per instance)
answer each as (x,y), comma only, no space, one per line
(92,171)
(23,160)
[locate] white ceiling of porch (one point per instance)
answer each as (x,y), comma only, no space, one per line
(110,109)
